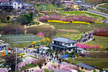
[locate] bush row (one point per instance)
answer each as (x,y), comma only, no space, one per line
(59,21)
(83,18)
(101,31)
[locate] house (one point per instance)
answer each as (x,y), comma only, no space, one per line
(68,3)
(63,44)
(28,8)
(86,68)
(4,46)
(5,4)
(17,4)
(81,51)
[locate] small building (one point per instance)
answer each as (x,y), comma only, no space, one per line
(5,4)
(63,44)
(68,3)
(81,51)
(4,46)
(86,68)
(14,4)
(17,4)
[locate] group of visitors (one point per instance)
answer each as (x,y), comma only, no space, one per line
(86,37)
(49,57)
(29,70)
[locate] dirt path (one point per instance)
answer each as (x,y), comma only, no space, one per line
(67,30)
(41,24)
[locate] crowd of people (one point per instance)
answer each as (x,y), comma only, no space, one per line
(49,57)
(86,37)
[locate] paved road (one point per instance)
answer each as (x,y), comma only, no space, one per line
(100,13)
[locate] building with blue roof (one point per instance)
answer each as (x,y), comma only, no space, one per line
(63,44)
(87,68)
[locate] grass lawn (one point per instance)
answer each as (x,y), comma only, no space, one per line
(19,40)
(28,66)
(99,40)
(79,27)
(83,13)
(2,25)
(46,6)
(72,36)
(98,62)
(52,13)
(104,5)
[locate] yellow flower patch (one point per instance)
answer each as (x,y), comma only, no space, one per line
(97,22)
(58,21)
(80,22)
(20,54)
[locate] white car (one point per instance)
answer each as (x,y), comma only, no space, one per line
(43,49)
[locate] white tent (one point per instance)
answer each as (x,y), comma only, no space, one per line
(74,70)
(45,48)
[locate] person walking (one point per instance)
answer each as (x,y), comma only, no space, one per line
(40,66)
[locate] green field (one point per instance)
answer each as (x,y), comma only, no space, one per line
(104,5)
(98,62)
(46,6)
(83,13)
(20,40)
(80,28)
(103,8)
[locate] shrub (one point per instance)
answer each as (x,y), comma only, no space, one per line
(12,29)
(58,21)
(26,18)
(107,48)
(80,22)
(69,19)
(47,31)
(46,70)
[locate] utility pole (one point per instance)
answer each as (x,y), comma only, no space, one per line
(16,53)
(16,61)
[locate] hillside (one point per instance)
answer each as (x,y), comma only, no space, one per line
(42,1)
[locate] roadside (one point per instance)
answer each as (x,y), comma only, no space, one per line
(100,13)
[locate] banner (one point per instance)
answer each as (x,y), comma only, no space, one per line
(2,53)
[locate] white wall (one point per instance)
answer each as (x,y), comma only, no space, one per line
(17,5)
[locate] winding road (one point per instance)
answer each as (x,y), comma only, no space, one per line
(100,13)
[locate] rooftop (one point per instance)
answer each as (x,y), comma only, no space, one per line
(19,1)
(5,0)
(5,4)
(25,4)
(86,66)
(65,40)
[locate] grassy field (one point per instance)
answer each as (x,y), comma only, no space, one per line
(100,40)
(80,28)
(98,62)
(52,13)
(2,25)
(104,5)
(46,6)
(83,13)
(19,40)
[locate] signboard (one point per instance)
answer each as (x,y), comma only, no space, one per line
(65,56)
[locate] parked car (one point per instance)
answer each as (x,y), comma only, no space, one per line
(43,49)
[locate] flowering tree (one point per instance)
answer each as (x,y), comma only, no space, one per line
(3,70)
(86,46)
(69,19)
(40,34)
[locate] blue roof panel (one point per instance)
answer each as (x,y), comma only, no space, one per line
(86,66)
(65,40)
